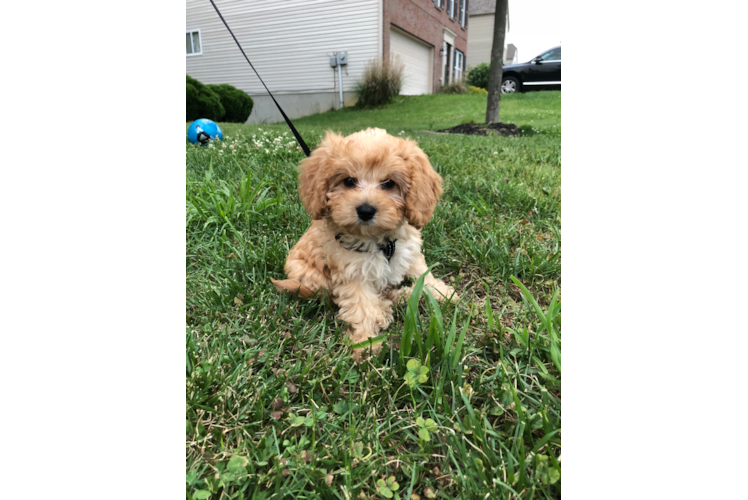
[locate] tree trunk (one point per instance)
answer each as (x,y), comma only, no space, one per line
(497,62)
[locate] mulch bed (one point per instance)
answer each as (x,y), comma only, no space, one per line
(472,128)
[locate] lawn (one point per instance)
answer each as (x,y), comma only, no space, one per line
(276,408)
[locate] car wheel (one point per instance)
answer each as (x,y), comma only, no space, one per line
(509,85)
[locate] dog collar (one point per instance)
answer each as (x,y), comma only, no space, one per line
(352,243)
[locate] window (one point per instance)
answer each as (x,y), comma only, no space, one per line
(194,48)
(459,64)
(462,13)
(451,8)
(439,3)
(551,55)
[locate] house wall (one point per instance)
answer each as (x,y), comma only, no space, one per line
(423,20)
(480,40)
(287,42)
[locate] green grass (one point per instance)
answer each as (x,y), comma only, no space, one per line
(275,406)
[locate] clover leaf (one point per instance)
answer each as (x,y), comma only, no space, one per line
(237,465)
(425,427)
(545,472)
(416,373)
(340,407)
(358,449)
(296,421)
(385,488)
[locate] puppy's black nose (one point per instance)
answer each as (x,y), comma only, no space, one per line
(365,212)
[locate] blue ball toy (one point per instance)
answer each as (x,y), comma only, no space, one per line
(203,130)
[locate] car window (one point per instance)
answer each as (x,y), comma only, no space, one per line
(552,55)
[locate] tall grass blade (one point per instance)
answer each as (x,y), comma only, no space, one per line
(451,337)
(437,314)
(458,348)
(433,332)
(411,318)
(555,348)
(530,299)
(521,483)
(489,311)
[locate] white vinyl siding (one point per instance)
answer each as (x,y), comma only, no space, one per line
(480,39)
(417,58)
(286,41)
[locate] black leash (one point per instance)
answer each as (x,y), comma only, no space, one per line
(293,129)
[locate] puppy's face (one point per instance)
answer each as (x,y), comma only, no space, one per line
(369,183)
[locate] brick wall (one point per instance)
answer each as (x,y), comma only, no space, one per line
(423,20)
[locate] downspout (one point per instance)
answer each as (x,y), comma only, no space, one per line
(340,84)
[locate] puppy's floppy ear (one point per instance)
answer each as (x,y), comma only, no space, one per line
(425,186)
(313,170)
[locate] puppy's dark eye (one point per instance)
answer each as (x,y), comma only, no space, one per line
(350,182)
(388,184)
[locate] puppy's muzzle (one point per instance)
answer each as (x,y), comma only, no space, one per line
(365,212)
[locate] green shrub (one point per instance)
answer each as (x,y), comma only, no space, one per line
(478,76)
(202,102)
(476,90)
(380,83)
(454,88)
(237,103)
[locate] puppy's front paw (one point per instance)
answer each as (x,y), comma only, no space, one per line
(384,318)
(451,295)
(359,334)
(395,294)
(443,292)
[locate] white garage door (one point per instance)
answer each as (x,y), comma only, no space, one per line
(417,59)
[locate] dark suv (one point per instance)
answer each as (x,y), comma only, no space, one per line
(542,73)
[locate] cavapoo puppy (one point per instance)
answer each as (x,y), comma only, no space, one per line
(369,194)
